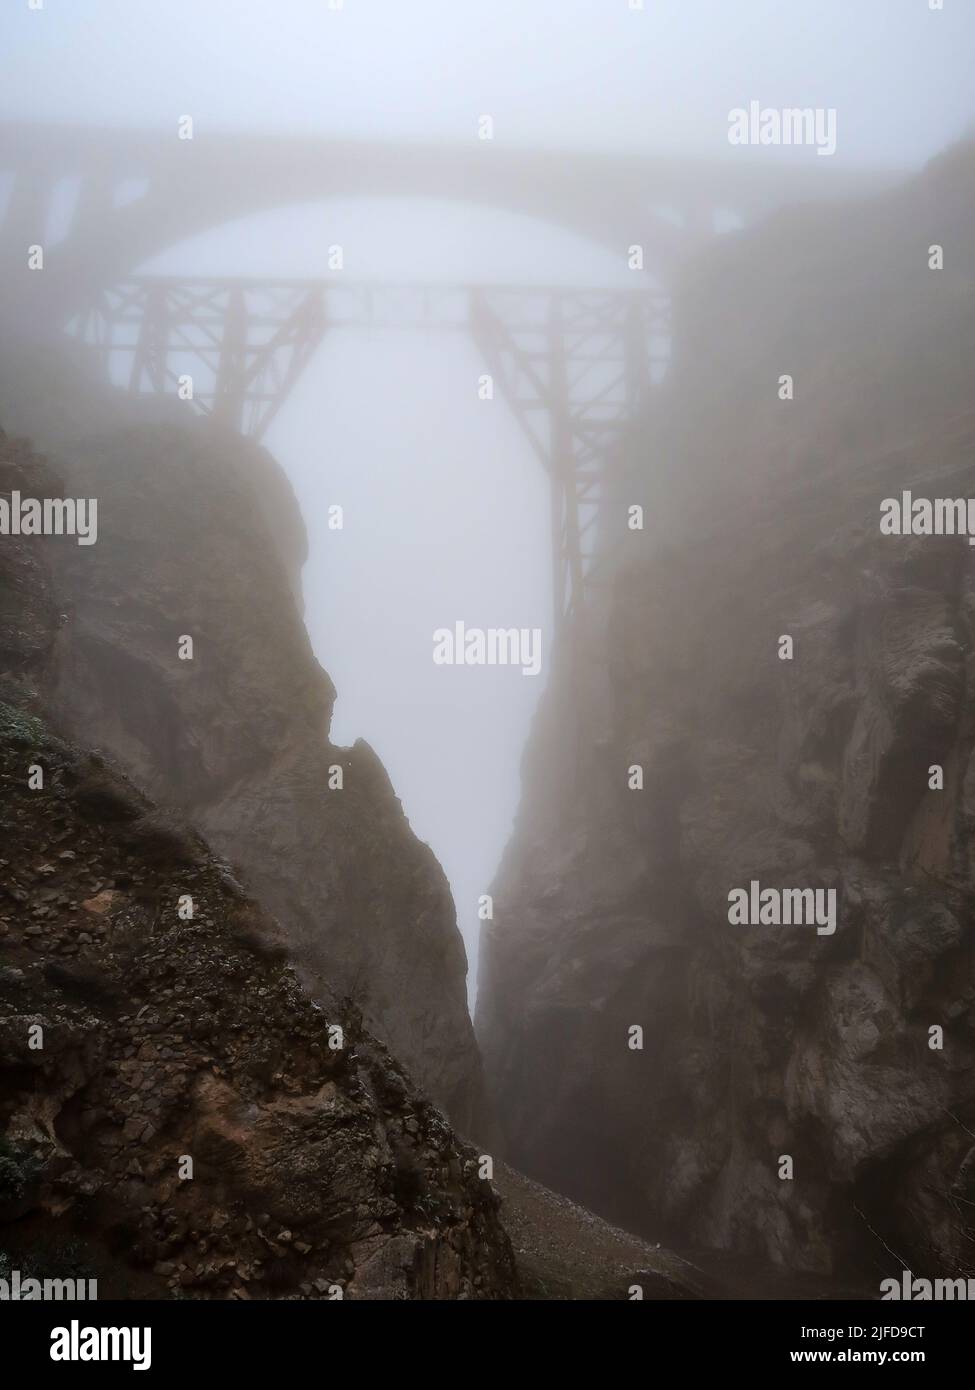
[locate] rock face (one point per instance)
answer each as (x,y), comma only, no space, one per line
(611,907)
(200,537)
(138,1034)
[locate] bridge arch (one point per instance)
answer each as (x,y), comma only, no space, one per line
(176,189)
(191,185)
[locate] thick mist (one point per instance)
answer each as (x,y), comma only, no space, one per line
(445,505)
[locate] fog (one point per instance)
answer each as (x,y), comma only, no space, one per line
(446,507)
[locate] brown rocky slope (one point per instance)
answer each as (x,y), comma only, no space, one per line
(137,1032)
(200,536)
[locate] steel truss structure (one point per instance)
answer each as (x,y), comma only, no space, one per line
(572,364)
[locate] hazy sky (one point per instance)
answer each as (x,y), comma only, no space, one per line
(556,72)
(446,508)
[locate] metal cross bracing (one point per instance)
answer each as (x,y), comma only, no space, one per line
(243,343)
(572,364)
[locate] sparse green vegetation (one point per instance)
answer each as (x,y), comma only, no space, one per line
(19,727)
(16,1170)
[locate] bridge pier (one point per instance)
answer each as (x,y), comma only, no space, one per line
(573,365)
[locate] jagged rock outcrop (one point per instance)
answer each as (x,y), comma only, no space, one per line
(136,1034)
(611,907)
(199,536)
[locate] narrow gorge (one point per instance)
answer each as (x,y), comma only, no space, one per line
(229,946)
(487,674)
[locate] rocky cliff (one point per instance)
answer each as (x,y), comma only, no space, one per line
(200,537)
(761,1043)
(178,1116)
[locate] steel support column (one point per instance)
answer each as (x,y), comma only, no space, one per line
(573,365)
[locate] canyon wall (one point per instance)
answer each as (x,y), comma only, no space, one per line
(137,1038)
(200,537)
(611,905)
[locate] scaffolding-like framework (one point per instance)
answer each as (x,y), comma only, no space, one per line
(573,364)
